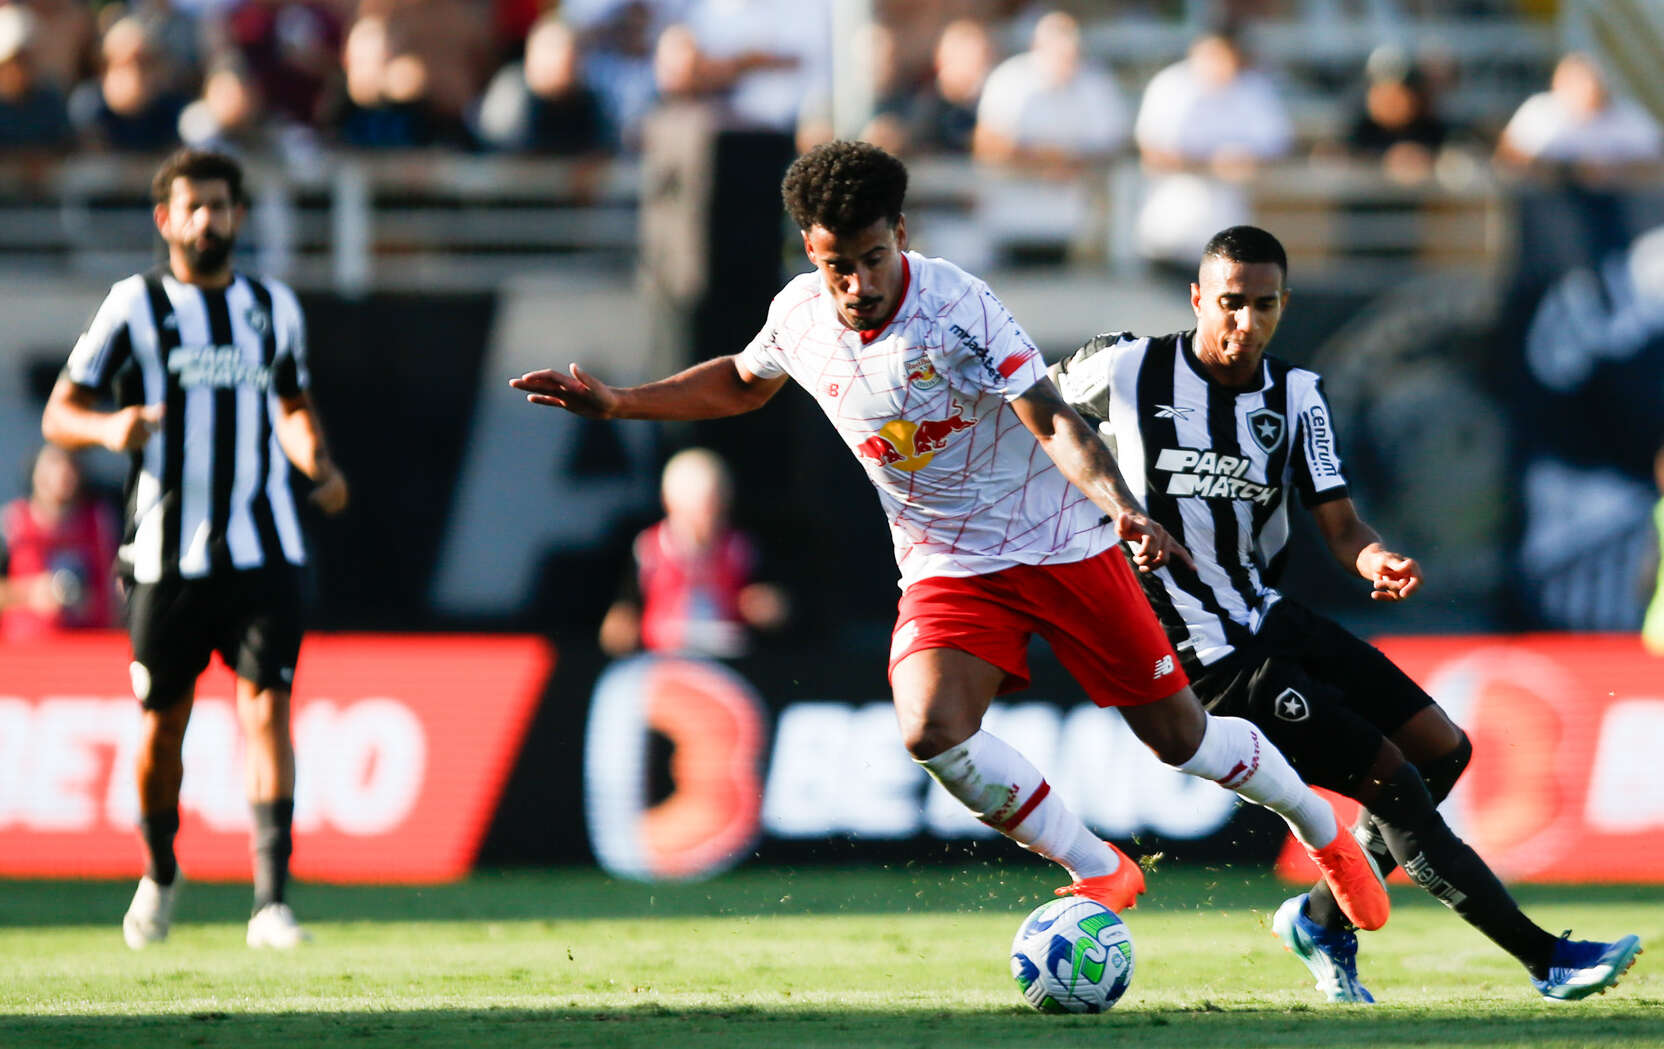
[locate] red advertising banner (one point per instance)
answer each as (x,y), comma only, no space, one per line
(1566,784)
(403,744)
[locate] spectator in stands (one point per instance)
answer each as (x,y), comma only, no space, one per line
(889,126)
(619,40)
(1204,125)
(542,104)
(1050,109)
(763,58)
(65,50)
(133,105)
(1578,123)
(228,116)
(945,116)
(33,115)
(177,37)
(691,587)
(382,101)
(451,39)
(1396,123)
(56,546)
(291,50)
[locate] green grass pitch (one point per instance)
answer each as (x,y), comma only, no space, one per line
(899,957)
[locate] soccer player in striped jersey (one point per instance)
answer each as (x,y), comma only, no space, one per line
(1214,436)
(207,370)
(1005,512)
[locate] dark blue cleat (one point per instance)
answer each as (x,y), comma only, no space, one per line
(1331,956)
(1580,968)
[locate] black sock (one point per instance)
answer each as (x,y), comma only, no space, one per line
(273,842)
(1440,776)
(1449,869)
(158,830)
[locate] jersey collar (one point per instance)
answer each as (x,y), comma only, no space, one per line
(1187,341)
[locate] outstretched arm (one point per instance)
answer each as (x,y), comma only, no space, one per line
(1087,463)
(1358,546)
(711,389)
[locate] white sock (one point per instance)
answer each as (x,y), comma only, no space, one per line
(1003,790)
(1236,756)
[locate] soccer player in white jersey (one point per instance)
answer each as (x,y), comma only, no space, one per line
(1005,512)
(207,369)
(1215,435)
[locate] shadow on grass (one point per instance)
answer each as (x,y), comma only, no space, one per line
(653,1027)
(564,894)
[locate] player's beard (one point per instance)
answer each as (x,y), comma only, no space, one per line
(209,254)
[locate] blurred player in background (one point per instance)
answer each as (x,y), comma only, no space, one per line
(945,402)
(690,588)
(56,546)
(207,368)
(1216,435)
(1652,628)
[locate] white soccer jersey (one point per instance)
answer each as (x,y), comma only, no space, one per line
(925,407)
(1214,467)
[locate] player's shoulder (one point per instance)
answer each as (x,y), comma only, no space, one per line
(941,286)
(282,295)
(127,291)
(1292,375)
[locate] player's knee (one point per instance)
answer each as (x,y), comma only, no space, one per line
(1442,772)
(925,738)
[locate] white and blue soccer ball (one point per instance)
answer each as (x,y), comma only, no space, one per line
(1072,955)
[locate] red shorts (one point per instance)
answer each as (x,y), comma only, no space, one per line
(1092,613)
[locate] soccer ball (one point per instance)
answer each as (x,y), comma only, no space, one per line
(1072,956)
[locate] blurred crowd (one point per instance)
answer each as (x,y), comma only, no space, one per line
(1008,82)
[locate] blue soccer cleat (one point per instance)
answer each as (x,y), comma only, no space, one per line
(1580,968)
(1331,956)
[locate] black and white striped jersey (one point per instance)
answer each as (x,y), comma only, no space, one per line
(210,489)
(1214,466)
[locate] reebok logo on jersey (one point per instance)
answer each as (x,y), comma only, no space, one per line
(1164,666)
(1209,475)
(1172,411)
(1291,706)
(220,367)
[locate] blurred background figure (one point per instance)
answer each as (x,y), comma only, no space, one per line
(451,39)
(691,586)
(56,547)
(1578,122)
(542,104)
(228,115)
(1396,122)
(290,49)
(65,48)
(890,125)
(763,58)
(134,104)
(1204,125)
(33,114)
(1046,118)
(383,99)
(1652,628)
(944,118)
(1050,110)
(619,40)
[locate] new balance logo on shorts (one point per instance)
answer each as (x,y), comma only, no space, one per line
(1164,666)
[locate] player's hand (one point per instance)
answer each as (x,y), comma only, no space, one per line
(329,491)
(579,393)
(1152,545)
(131,427)
(1394,576)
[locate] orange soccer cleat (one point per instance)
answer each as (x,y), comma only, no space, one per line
(1354,879)
(1118,891)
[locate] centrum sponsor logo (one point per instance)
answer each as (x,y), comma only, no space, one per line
(1320,442)
(1209,475)
(220,367)
(908,445)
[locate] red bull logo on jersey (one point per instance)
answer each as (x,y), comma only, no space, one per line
(922,375)
(908,445)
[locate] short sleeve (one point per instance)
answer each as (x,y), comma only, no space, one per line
(1084,376)
(291,373)
(763,356)
(1317,465)
(986,350)
(107,341)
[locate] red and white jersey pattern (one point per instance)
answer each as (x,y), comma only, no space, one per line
(924,405)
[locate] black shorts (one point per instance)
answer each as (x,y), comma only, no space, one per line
(1323,696)
(252,619)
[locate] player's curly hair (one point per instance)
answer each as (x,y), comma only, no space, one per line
(1246,244)
(197,165)
(844,187)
